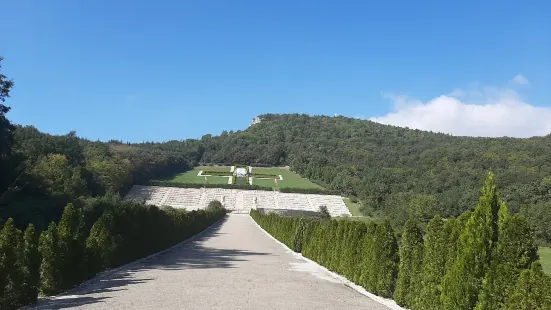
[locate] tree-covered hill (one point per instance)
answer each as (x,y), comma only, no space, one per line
(396,172)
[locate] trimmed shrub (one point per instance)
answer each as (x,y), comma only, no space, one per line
(215,206)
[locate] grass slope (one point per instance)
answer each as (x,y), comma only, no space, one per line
(354,208)
(545,258)
(290,179)
(191,176)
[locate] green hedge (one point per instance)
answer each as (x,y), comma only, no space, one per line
(263,175)
(217,173)
(197,185)
(486,259)
(319,191)
(68,253)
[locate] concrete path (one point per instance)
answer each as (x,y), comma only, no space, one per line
(233,265)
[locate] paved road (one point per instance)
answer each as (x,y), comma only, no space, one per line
(233,265)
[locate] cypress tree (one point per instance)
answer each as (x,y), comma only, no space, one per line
(353,257)
(299,235)
(454,227)
(337,246)
(50,277)
(11,277)
(71,238)
(532,290)
(367,274)
(411,259)
(434,262)
(516,250)
(461,285)
(102,244)
(31,266)
(386,259)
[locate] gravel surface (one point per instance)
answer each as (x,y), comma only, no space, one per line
(233,265)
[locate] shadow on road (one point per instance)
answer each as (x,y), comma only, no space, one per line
(194,254)
(67,302)
(189,255)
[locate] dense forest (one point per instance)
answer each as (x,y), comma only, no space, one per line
(395,173)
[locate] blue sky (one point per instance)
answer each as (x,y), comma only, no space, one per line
(142,70)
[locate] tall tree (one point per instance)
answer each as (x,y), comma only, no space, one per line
(411,259)
(101,244)
(57,177)
(11,279)
(434,263)
(71,244)
(31,269)
(386,259)
(515,251)
(461,285)
(50,275)
(532,291)
(6,132)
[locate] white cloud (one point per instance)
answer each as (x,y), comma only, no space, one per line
(486,112)
(520,79)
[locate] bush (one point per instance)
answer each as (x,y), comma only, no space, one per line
(215,206)
(324,213)
(319,191)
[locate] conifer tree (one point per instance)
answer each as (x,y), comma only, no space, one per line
(434,262)
(11,277)
(353,257)
(532,290)
(454,227)
(71,238)
(411,259)
(516,250)
(367,274)
(50,276)
(386,259)
(462,283)
(102,244)
(31,266)
(299,235)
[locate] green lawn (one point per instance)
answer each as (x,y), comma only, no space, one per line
(545,259)
(191,176)
(290,179)
(354,208)
(215,168)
